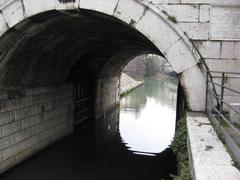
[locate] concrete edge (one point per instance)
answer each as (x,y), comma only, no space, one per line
(127,91)
(209,158)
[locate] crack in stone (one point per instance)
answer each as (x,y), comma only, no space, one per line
(165,51)
(24,9)
(4,19)
(143,14)
(116,7)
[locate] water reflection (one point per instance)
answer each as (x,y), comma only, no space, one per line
(148,116)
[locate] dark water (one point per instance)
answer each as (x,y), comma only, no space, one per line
(130,143)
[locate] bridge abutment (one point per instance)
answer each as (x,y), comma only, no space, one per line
(108,95)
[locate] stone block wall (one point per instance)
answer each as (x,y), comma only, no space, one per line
(128,84)
(108,95)
(33,121)
(213,27)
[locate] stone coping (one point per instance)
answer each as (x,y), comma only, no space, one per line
(209,158)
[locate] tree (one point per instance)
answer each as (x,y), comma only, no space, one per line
(152,65)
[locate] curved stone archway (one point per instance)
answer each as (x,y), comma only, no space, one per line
(148,19)
(45,45)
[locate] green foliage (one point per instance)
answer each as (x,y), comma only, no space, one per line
(179,147)
(152,67)
(172,18)
(132,22)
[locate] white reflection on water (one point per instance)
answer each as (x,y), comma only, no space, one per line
(153,128)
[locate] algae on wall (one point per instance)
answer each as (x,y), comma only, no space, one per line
(179,147)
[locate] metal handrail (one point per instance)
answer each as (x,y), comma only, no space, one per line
(231,133)
(219,85)
(232,147)
(227,121)
(203,62)
(222,89)
(228,77)
(237,111)
(226,72)
(220,99)
(209,76)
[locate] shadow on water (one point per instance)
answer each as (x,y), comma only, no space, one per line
(121,146)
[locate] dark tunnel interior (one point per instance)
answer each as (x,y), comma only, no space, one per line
(60,70)
(45,49)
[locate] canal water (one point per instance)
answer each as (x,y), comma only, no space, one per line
(129,143)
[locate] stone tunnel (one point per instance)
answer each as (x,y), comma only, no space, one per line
(61,61)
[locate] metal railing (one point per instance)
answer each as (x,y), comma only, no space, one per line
(218,109)
(211,88)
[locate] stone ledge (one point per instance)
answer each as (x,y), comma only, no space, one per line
(128,84)
(210,160)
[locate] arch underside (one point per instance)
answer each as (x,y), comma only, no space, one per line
(45,47)
(50,49)
(41,50)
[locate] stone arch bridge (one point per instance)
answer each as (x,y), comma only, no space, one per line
(48,48)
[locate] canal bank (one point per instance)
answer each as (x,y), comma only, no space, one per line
(180,149)
(209,158)
(128,84)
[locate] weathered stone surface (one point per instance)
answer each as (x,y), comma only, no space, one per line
(194,86)
(107,7)
(3,25)
(12,128)
(204,13)
(225,23)
(24,125)
(4,2)
(124,11)
(210,159)
(183,13)
(209,49)
(165,1)
(223,2)
(164,39)
(35,6)
(179,58)
(196,1)
(6,117)
(108,95)
(223,65)
(196,31)
(164,44)
(236,50)
(13,12)
(230,50)
(5,165)
(161,33)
